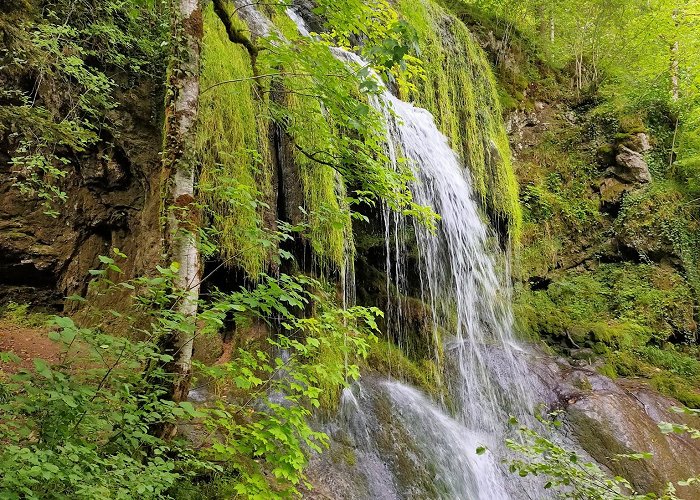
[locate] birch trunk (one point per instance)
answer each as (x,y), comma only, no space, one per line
(551,28)
(674,61)
(179,169)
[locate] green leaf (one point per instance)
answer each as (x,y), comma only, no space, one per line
(9,357)
(42,368)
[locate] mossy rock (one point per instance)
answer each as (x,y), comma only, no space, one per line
(632,124)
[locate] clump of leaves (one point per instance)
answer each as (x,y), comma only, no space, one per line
(75,50)
(84,428)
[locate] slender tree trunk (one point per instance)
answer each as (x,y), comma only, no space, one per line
(674,61)
(179,171)
(551,28)
(674,71)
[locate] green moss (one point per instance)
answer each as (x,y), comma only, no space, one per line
(23,315)
(328,217)
(233,149)
(325,209)
(658,221)
(343,454)
(677,387)
(671,359)
(461,92)
(388,359)
(670,372)
(632,124)
(330,354)
(619,305)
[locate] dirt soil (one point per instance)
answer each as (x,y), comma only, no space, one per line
(28,344)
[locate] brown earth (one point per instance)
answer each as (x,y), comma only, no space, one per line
(28,344)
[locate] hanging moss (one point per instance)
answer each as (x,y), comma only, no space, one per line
(326,214)
(233,148)
(460,90)
(328,220)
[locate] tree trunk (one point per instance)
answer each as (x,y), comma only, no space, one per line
(551,28)
(179,171)
(674,62)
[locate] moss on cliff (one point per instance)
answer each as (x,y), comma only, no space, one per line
(233,147)
(620,305)
(460,90)
(237,168)
(659,222)
(607,280)
(387,359)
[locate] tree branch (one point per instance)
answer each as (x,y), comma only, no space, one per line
(235,35)
(268,75)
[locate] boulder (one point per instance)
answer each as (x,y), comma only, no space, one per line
(610,417)
(631,167)
(611,191)
(642,142)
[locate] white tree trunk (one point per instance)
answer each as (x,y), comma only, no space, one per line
(674,62)
(551,28)
(179,168)
(674,71)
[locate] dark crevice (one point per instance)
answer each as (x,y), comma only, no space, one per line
(539,283)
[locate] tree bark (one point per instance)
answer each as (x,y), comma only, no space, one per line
(674,61)
(179,173)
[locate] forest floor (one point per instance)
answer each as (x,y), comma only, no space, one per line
(27,343)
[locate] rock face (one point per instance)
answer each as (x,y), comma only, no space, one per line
(383,445)
(629,172)
(620,417)
(611,192)
(112,201)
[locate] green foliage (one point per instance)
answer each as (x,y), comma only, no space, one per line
(85,427)
(387,40)
(83,433)
(564,470)
(659,218)
(621,305)
(21,314)
(569,475)
(628,314)
(274,437)
(332,136)
(348,132)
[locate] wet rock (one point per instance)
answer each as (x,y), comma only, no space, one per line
(620,417)
(607,424)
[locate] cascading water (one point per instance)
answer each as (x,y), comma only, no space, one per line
(470,301)
(458,273)
(467,297)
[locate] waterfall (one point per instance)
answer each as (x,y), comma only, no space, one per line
(469,299)
(458,270)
